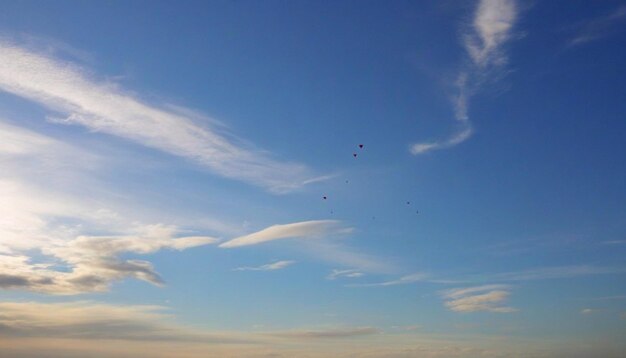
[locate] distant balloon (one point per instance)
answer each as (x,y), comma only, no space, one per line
(361,146)
(324,197)
(408,203)
(354,155)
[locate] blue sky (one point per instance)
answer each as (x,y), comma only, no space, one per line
(180,179)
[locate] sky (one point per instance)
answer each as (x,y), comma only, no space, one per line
(313,178)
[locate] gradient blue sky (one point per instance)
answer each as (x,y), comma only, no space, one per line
(163,168)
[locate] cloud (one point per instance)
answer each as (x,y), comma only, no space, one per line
(614,242)
(587,311)
(76,97)
(352,273)
(493,22)
(598,27)
(93,329)
(57,236)
(91,263)
(608,298)
(404,280)
(278,265)
(541,273)
(546,273)
(479,298)
(324,247)
(304,229)
(338,253)
(97,321)
(491,29)
(329,333)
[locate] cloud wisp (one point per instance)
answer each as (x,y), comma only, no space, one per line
(304,229)
(404,280)
(75,97)
(599,27)
(490,298)
(558,272)
(484,42)
(350,273)
(328,333)
(278,265)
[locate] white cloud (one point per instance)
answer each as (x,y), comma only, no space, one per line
(46,240)
(587,311)
(304,229)
(77,98)
(480,298)
(351,273)
(91,263)
(493,22)
(278,265)
(404,280)
(323,245)
(491,29)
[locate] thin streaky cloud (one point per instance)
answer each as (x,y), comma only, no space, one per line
(489,298)
(606,298)
(599,27)
(350,273)
(614,242)
(541,273)
(278,265)
(588,311)
(404,280)
(75,97)
(328,333)
(337,253)
(491,29)
(459,292)
(304,229)
(546,273)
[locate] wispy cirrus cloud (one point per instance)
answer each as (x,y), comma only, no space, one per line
(557,272)
(320,242)
(490,298)
(278,265)
(350,273)
(484,43)
(404,280)
(599,27)
(614,242)
(304,229)
(75,97)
